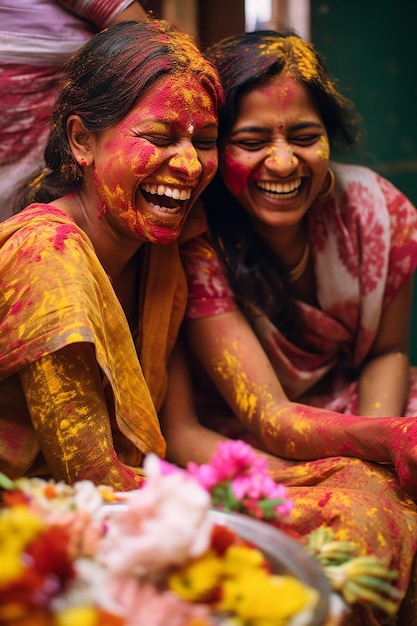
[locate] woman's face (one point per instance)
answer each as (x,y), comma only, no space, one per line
(275,158)
(150,167)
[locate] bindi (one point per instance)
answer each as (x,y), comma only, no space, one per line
(280,127)
(191,127)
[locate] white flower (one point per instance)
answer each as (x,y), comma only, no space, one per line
(165,523)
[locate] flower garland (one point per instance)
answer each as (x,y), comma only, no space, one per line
(89,556)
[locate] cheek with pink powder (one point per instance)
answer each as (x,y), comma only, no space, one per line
(235,174)
(136,153)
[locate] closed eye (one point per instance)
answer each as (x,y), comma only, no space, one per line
(205,144)
(250,144)
(305,140)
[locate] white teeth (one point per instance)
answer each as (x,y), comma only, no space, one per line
(165,209)
(169,192)
(275,187)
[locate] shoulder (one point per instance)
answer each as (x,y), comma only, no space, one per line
(198,255)
(347,173)
(362,188)
(351,177)
(43,232)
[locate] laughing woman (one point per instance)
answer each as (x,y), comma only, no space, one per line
(299,308)
(86,288)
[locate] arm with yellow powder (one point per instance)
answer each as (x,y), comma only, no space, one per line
(188,440)
(236,362)
(64,394)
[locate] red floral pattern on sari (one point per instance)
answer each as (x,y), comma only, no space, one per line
(364,244)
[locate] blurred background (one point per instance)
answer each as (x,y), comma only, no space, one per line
(371,49)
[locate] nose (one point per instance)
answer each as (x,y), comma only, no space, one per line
(186,162)
(280,158)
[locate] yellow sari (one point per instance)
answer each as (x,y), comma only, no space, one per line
(55,293)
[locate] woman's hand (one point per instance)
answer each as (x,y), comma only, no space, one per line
(401,443)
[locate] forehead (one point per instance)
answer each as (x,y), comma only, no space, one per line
(176,98)
(283,96)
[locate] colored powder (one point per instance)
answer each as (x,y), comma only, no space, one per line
(235,174)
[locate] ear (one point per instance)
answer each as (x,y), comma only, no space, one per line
(80,140)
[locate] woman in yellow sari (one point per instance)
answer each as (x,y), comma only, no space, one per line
(85,290)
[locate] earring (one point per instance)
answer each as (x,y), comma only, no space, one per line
(326,194)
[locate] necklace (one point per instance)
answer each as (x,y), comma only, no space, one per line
(299,269)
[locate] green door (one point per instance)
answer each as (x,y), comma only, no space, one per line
(371,48)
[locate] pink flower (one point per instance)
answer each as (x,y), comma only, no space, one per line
(144,604)
(257,486)
(85,533)
(205,474)
(232,458)
(236,466)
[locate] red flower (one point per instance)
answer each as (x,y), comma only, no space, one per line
(48,569)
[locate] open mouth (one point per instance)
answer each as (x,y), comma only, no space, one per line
(165,197)
(284,191)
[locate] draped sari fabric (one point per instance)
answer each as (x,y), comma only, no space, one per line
(363,241)
(54,293)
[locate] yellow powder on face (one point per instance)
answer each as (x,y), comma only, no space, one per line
(324,151)
(114,195)
(151,161)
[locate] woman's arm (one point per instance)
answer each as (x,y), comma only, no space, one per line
(289,432)
(64,394)
(236,362)
(104,14)
(187,440)
(384,379)
(134,11)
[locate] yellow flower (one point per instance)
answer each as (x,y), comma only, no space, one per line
(198,579)
(18,526)
(80,615)
(11,567)
(238,558)
(264,600)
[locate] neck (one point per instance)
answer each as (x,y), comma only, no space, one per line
(113,250)
(291,245)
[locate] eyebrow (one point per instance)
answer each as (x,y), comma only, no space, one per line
(169,123)
(262,129)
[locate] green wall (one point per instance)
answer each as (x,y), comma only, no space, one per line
(371,48)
